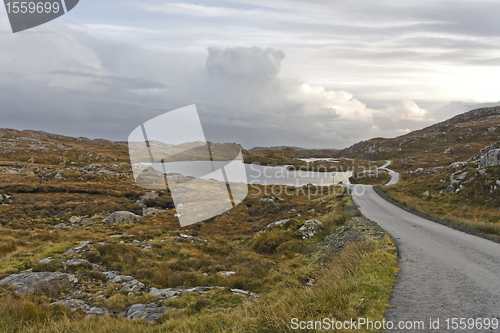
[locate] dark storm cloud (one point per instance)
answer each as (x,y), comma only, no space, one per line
(304,73)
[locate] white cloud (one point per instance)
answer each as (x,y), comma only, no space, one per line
(408,110)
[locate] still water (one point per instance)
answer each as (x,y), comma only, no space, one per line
(236,171)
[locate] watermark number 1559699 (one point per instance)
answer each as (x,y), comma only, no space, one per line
(25,15)
(32,7)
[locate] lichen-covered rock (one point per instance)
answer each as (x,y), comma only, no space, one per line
(46,260)
(75,304)
(310,228)
(71,304)
(76,262)
(272,199)
(277,223)
(151,312)
(491,158)
(170,293)
(193,238)
(79,248)
(121,217)
(150,211)
(479,155)
(39,281)
(97,311)
(447,151)
(127,282)
(75,219)
(85,221)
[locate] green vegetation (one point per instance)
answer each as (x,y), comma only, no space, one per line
(474,206)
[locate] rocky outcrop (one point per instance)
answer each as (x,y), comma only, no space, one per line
(272,199)
(127,282)
(447,151)
(310,228)
(474,114)
(277,223)
(456,180)
(150,211)
(355,229)
(76,263)
(79,248)
(151,312)
(71,304)
(147,196)
(74,219)
(89,170)
(484,151)
(46,260)
(40,281)
(75,304)
(192,238)
(121,217)
(170,293)
(491,158)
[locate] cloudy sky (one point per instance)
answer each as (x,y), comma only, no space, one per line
(315,73)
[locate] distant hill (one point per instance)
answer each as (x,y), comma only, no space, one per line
(45,148)
(272,148)
(298,151)
(455,139)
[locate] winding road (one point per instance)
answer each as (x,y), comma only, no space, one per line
(444,274)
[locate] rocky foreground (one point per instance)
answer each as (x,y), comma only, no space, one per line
(78,282)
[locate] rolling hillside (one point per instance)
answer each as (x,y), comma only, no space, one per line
(455,139)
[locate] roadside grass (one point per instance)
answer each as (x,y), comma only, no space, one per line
(471,208)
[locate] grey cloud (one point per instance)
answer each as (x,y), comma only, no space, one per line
(114,82)
(359,60)
(238,64)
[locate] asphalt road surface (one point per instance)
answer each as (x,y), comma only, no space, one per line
(444,274)
(394,175)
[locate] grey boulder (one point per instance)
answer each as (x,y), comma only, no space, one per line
(147,196)
(151,312)
(310,228)
(39,281)
(121,217)
(491,158)
(71,304)
(150,211)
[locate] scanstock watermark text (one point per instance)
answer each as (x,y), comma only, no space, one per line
(452,324)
